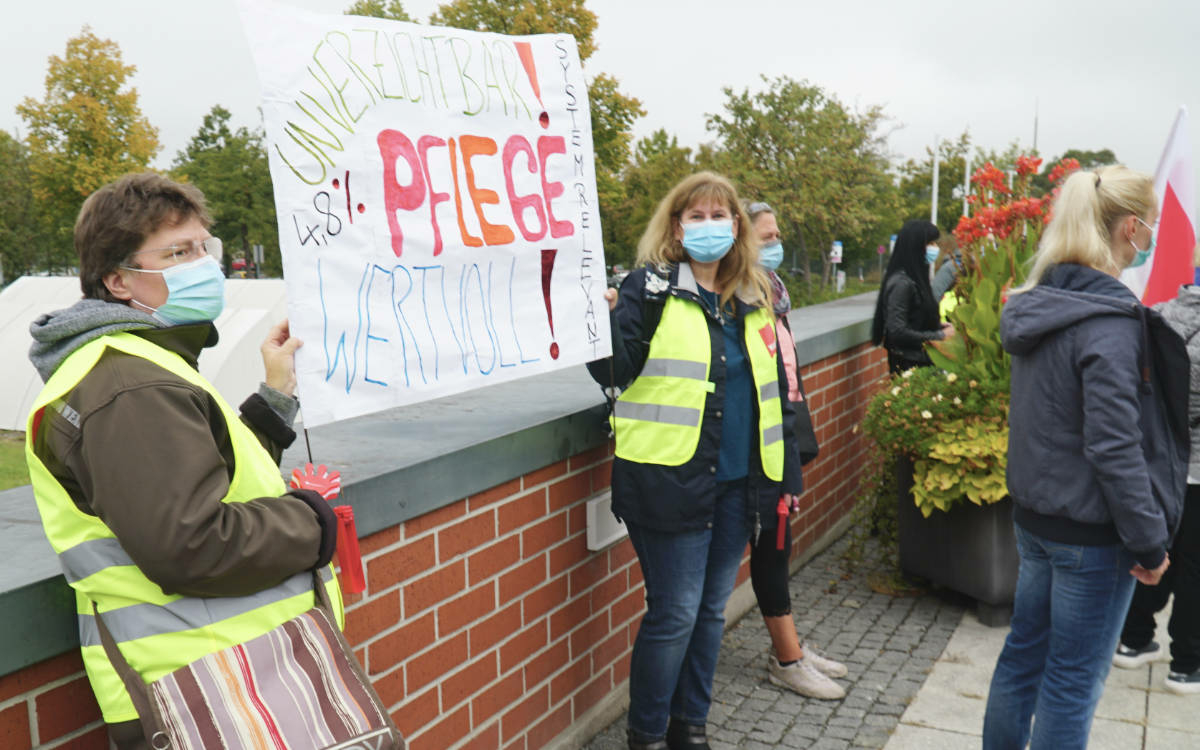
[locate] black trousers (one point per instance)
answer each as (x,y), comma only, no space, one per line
(769,573)
(1182,579)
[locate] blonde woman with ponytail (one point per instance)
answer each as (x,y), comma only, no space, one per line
(1097,462)
(705,451)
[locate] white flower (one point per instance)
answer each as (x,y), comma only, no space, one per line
(896,391)
(927,414)
(907,373)
(957,401)
(951,377)
(938,397)
(973,383)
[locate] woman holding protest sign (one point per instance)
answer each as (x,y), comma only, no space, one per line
(704,443)
(795,667)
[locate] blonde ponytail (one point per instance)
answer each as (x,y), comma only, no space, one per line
(1084,217)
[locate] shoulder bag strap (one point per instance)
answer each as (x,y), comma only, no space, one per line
(139,692)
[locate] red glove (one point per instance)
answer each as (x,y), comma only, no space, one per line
(326,483)
(781,512)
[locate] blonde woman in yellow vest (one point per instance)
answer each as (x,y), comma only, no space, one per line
(166,508)
(704,445)
(791,665)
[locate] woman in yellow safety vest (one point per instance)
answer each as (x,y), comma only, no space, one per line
(704,444)
(798,668)
(165,507)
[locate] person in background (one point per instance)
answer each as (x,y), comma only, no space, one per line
(949,264)
(1137,645)
(168,512)
(1097,458)
(793,665)
(906,312)
(704,442)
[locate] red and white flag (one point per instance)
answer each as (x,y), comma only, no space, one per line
(1160,277)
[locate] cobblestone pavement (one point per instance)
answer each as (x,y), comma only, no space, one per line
(888,643)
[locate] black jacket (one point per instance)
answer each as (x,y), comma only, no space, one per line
(1098,443)
(682,498)
(908,324)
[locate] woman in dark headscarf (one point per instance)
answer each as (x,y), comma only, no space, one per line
(906,314)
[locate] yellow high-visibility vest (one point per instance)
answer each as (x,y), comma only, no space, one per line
(657,419)
(157,632)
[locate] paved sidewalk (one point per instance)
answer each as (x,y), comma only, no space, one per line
(1135,713)
(919,673)
(889,644)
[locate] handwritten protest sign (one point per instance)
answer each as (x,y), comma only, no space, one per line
(437,205)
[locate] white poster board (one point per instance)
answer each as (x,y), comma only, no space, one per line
(437,209)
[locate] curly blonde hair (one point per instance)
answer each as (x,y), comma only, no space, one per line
(739,270)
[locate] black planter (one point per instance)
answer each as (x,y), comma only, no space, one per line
(970,549)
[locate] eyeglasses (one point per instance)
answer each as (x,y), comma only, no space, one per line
(1153,229)
(759,207)
(185,252)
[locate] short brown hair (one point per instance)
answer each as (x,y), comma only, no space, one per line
(116,219)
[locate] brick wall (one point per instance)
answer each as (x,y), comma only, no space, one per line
(487,624)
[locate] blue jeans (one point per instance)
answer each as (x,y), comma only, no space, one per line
(1070,603)
(688,577)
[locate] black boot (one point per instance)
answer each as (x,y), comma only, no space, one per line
(682,736)
(639,745)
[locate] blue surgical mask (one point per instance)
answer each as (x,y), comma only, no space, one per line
(771,255)
(1141,256)
(708,241)
(931,253)
(195,292)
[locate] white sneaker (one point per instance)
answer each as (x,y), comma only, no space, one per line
(1183,683)
(824,665)
(803,678)
(1132,658)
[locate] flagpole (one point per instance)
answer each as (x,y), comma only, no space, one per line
(966,182)
(933,209)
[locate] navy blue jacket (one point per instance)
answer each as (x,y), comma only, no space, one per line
(683,498)
(1095,456)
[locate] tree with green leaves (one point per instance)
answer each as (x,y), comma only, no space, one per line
(391,9)
(659,162)
(916,182)
(18,230)
(86,131)
(521,17)
(822,166)
(230,167)
(1087,160)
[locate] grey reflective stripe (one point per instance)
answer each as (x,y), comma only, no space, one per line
(189,613)
(769,391)
(90,557)
(675,368)
(773,434)
(680,415)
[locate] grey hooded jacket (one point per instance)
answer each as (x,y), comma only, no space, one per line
(1095,453)
(1183,315)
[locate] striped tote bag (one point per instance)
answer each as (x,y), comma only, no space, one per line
(297,687)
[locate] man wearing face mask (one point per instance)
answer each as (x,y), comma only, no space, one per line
(166,509)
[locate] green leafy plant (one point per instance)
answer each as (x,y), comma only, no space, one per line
(953,427)
(952,419)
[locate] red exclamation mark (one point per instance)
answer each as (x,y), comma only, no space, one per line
(547,269)
(525,52)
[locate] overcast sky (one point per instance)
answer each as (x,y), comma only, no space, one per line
(1102,73)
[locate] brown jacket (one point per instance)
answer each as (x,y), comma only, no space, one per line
(150,454)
